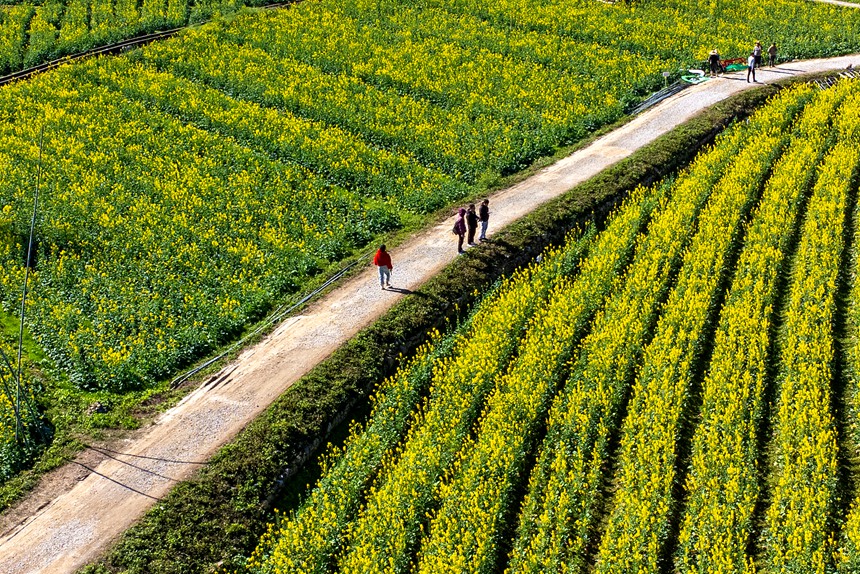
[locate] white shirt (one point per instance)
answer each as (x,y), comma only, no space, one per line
(751,62)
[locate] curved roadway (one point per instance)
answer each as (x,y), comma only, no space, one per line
(105,497)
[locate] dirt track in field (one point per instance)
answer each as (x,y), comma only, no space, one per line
(840,3)
(77,511)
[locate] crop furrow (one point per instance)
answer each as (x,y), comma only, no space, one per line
(334,154)
(723,484)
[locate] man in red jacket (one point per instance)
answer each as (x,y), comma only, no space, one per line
(383,260)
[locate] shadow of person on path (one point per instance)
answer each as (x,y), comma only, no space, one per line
(404,291)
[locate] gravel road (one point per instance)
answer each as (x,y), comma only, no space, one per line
(71,519)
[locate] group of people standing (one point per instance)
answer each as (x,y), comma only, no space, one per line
(755,59)
(465,225)
(753,62)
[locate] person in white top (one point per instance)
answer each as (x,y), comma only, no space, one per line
(751,67)
(757,50)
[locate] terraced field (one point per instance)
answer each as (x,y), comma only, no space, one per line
(677,392)
(339,121)
(34,31)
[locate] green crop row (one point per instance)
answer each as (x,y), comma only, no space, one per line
(637,526)
(667,30)
(588,35)
(722,485)
(157,240)
(799,534)
(848,557)
(34,32)
(334,154)
(477,495)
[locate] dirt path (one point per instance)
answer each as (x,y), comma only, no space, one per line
(840,3)
(105,494)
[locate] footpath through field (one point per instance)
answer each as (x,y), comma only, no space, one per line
(107,495)
(852,4)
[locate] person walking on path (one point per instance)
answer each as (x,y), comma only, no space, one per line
(383,260)
(757,50)
(472,223)
(771,55)
(751,68)
(460,229)
(484,218)
(714,62)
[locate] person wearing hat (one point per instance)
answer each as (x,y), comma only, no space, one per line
(714,62)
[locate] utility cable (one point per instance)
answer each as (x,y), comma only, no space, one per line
(18,424)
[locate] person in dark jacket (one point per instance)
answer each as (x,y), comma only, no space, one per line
(714,62)
(383,260)
(460,229)
(484,218)
(771,55)
(472,223)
